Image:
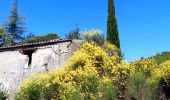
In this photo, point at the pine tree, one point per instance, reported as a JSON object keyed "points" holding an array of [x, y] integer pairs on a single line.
{"points": [[5, 39], [14, 26], [112, 27]]}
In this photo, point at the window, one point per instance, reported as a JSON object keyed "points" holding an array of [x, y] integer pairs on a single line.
{"points": [[29, 53]]}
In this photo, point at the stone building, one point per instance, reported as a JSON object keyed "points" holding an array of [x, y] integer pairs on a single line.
{"points": [[19, 61]]}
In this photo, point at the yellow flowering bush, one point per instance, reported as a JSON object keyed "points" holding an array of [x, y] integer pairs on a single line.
{"points": [[98, 73], [91, 56], [143, 83], [79, 59], [83, 77], [110, 49], [165, 79], [107, 91], [95, 56], [161, 76], [113, 52], [160, 72], [165, 71], [120, 77], [144, 66], [46, 86]]}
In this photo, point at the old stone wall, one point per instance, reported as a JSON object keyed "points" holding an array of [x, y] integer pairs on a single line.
{"points": [[14, 66]]}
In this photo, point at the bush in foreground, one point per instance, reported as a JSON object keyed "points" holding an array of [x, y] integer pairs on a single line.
{"points": [[97, 73], [87, 75]]}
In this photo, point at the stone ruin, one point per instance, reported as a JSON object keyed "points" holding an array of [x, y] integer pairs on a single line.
{"points": [[20, 61]]}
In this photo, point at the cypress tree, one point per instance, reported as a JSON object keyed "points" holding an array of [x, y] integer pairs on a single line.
{"points": [[112, 27], [14, 26]]}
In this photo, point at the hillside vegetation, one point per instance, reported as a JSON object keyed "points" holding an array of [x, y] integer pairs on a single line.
{"points": [[161, 57], [98, 73]]}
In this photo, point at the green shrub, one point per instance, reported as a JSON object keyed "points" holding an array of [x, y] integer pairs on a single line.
{"points": [[161, 57], [74, 34], [137, 85], [143, 81], [3, 95], [94, 36], [109, 92]]}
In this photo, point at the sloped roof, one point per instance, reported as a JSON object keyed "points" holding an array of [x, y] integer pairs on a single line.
{"points": [[32, 45]]}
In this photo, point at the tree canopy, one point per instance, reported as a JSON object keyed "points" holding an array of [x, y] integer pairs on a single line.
{"points": [[47, 37], [161, 57], [14, 26], [74, 34]]}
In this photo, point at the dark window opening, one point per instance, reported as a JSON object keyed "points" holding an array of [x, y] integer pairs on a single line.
{"points": [[29, 54]]}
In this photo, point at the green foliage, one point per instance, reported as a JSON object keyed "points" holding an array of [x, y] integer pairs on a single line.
{"points": [[144, 80], [109, 92], [5, 39], [33, 39], [137, 83], [14, 26], [74, 34], [112, 27], [48, 37], [95, 36], [30, 35], [9, 42], [3, 95], [2, 35], [161, 57]]}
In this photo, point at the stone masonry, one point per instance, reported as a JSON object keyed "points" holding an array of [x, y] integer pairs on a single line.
{"points": [[18, 62]]}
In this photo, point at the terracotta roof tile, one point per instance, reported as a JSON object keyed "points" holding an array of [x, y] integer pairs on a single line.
{"points": [[32, 45]]}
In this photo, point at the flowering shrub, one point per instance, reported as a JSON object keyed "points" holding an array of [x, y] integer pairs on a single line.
{"points": [[106, 90], [46, 86], [95, 72], [165, 68], [110, 49], [144, 66], [87, 75], [121, 74], [164, 75], [145, 79], [94, 36]]}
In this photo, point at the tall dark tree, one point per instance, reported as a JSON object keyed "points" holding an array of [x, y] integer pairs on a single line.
{"points": [[15, 24], [112, 27]]}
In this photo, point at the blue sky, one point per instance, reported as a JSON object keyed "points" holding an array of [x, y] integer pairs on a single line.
{"points": [[144, 25]]}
